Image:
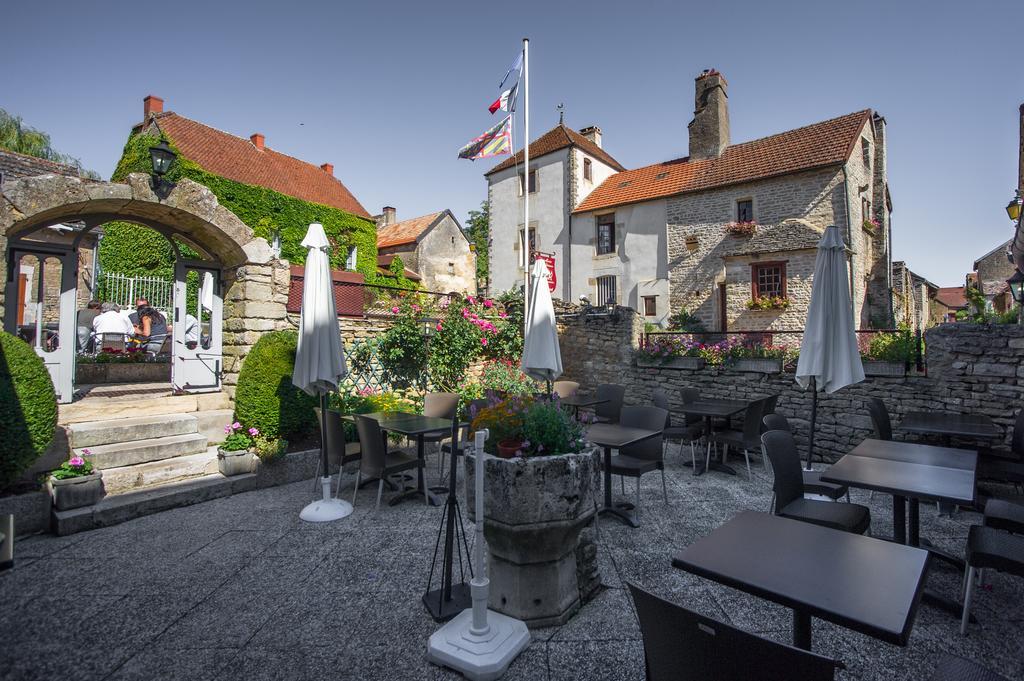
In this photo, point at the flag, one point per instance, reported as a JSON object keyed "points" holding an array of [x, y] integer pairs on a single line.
{"points": [[494, 142], [517, 64], [505, 102]]}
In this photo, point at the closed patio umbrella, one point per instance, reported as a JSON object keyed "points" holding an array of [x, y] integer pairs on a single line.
{"points": [[542, 358], [829, 357], [319, 362]]}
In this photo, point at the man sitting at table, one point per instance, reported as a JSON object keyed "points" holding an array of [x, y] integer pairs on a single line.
{"points": [[109, 320]]}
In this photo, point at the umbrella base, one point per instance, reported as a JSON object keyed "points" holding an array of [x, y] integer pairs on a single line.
{"points": [[480, 657], [326, 509]]}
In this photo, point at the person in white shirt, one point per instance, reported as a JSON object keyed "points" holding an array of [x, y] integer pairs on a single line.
{"points": [[191, 329], [110, 320]]}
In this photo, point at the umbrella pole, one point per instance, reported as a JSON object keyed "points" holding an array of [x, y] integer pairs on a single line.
{"points": [[814, 419], [323, 440], [325, 509]]}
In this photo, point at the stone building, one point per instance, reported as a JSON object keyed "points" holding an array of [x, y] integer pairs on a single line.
{"points": [[736, 224], [946, 302], [565, 166], [433, 248], [912, 297], [989, 276]]}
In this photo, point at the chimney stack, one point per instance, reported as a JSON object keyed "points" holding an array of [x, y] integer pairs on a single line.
{"points": [[327, 168], [257, 140], [151, 104], [388, 217], [709, 129], [592, 133]]}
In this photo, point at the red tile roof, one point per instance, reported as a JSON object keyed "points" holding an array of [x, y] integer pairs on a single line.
{"points": [[814, 146], [237, 159], [952, 296], [558, 137], [406, 231]]}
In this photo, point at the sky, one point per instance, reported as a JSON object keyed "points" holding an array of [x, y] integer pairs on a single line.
{"points": [[388, 92]]}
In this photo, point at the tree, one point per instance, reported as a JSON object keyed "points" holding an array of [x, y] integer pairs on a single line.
{"points": [[478, 231], [18, 137]]}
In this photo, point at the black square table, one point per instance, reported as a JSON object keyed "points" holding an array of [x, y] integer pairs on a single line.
{"points": [[613, 436], [868, 585], [579, 401], [412, 425], [947, 425], [711, 409]]}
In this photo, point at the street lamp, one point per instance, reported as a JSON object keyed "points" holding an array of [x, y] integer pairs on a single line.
{"points": [[1013, 207], [162, 158]]}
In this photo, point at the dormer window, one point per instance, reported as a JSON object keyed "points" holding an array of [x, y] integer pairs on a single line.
{"points": [[588, 171]]}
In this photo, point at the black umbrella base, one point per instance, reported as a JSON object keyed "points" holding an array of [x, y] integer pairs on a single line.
{"points": [[442, 610]]}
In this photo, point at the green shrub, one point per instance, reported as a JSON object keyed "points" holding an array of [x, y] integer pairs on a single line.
{"points": [[265, 397], [28, 407], [685, 320]]}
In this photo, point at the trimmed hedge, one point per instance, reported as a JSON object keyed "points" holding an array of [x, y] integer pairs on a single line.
{"points": [[28, 407], [265, 397]]}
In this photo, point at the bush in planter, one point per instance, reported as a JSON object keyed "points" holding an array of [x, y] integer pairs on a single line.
{"points": [[265, 397], [899, 347], [548, 428], [28, 407]]}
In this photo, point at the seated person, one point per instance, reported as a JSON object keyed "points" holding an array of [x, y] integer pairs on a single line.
{"points": [[152, 329], [109, 320], [191, 331], [85, 319]]}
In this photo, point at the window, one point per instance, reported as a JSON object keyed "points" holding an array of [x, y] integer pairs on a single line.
{"points": [[865, 151], [745, 210], [588, 172], [606, 292], [350, 261], [526, 258], [533, 182], [606, 234], [451, 268], [768, 280], [865, 210], [650, 306]]}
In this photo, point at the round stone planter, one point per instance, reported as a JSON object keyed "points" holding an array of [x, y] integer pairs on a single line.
{"points": [[534, 509], [763, 366], [877, 368], [673, 363], [234, 463], [85, 490]]}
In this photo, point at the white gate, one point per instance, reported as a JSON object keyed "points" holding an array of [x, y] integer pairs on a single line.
{"points": [[196, 355]]}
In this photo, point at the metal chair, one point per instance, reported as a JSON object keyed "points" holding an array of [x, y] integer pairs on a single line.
{"points": [[377, 462], [111, 341], [690, 432], [337, 448], [645, 456], [608, 412], [681, 645], [997, 544], [788, 485], [565, 388], [812, 479], [1007, 469], [880, 418], [440, 406], [472, 409], [745, 439], [691, 395]]}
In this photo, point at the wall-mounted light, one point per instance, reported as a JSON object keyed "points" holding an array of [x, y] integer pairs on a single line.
{"points": [[162, 158]]}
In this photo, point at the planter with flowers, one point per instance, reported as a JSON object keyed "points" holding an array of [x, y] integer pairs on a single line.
{"points": [[758, 357], [76, 483], [537, 502], [744, 228], [235, 454], [670, 352], [768, 303]]}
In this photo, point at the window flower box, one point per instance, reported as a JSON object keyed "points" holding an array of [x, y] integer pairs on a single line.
{"points": [[742, 229], [873, 367], [763, 365], [768, 303]]}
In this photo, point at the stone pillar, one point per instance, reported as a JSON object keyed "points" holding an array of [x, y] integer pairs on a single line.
{"points": [[255, 297]]}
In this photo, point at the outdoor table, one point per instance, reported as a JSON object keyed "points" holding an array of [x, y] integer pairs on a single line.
{"points": [[949, 425], [711, 409], [578, 401], [411, 425], [613, 436], [912, 472], [816, 571]]}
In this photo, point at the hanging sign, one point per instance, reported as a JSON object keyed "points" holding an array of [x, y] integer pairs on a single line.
{"points": [[549, 260]]}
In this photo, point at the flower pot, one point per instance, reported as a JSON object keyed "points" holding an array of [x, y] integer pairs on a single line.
{"points": [[534, 510], [85, 490], [508, 448], [884, 368], [234, 463], [761, 365]]}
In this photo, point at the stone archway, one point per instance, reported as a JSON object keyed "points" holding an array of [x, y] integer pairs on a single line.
{"points": [[255, 284]]}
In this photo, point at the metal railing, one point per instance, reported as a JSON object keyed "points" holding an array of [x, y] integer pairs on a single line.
{"points": [[124, 290]]}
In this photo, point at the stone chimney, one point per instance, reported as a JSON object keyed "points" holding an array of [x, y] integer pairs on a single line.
{"points": [[257, 140], [327, 168], [387, 217], [592, 133], [709, 129], [151, 104]]}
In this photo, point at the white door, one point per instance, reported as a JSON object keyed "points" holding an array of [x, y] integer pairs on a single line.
{"points": [[40, 307], [196, 356]]}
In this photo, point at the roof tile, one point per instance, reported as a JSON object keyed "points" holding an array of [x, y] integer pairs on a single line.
{"points": [[952, 296], [558, 137], [406, 231]]}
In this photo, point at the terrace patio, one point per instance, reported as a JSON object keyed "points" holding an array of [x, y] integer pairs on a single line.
{"points": [[240, 588]]}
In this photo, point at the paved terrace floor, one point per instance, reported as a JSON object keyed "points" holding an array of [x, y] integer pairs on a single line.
{"points": [[240, 588]]}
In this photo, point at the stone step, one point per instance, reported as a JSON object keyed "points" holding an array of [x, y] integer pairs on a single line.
{"points": [[131, 478], [95, 433], [106, 409], [142, 451], [121, 507], [212, 422]]}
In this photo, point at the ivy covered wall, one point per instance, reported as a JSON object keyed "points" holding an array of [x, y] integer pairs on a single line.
{"points": [[133, 249]]}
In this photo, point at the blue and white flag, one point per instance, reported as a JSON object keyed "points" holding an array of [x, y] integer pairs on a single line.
{"points": [[517, 66]]}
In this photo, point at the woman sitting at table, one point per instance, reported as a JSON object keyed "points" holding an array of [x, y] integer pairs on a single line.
{"points": [[151, 330]]}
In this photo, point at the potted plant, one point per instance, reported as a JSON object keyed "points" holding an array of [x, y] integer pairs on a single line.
{"points": [[888, 354], [757, 357], [767, 303], [234, 455], [670, 352], [743, 228], [76, 483], [536, 505]]}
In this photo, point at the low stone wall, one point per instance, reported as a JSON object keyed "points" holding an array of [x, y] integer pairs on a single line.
{"points": [[122, 372], [971, 369]]}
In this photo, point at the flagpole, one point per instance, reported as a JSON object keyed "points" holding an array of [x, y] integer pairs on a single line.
{"points": [[526, 181]]}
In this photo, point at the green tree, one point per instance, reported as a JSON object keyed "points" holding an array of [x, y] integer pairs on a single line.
{"points": [[18, 137], [478, 231]]}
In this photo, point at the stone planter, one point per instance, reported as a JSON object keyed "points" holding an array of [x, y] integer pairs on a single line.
{"points": [[534, 510], [234, 463], [761, 365], [122, 372], [878, 368], [85, 490], [673, 363]]}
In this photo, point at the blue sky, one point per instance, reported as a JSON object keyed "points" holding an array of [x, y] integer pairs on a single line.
{"points": [[388, 92]]}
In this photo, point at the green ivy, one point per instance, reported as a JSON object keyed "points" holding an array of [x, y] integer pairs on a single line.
{"points": [[478, 230]]}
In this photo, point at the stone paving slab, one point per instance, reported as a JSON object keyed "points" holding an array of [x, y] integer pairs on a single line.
{"points": [[240, 588]]}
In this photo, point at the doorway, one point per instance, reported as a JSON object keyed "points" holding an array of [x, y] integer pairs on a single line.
{"points": [[196, 331]]}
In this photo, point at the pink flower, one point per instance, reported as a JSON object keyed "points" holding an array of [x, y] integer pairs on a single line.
{"points": [[439, 326], [86, 452], [254, 432], [488, 303], [503, 315], [416, 308], [236, 426], [471, 300], [483, 341], [76, 461], [394, 310]]}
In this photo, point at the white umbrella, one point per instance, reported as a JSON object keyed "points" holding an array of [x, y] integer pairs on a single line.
{"points": [[319, 363], [829, 357], [542, 358]]}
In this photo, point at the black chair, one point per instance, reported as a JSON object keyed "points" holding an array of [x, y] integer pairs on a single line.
{"points": [[339, 451], [608, 412], [645, 456], [440, 406], [691, 432], [880, 418], [746, 439], [812, 479], [997, 544], [1007, 469], [472, 409], [681, 645], [954, 668], [377, 462], [780, 447]]}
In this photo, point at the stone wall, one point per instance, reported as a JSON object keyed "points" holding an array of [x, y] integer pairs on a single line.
{"points": [[255, 297], [799, 275], [971, 368]]}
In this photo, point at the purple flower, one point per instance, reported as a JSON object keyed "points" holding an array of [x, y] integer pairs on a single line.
{"points": [[254, 432], [76, 461], [236, 426], [86, 452]]}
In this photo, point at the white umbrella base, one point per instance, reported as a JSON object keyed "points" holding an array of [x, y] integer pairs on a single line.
{"points": [[326, 509], [480, 657]]}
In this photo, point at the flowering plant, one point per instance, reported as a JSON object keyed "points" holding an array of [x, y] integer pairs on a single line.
{"points": [[664, 348], [743, 228], [238, 437], [768, 303], [75, 467], [542, 426], [872, 224]]}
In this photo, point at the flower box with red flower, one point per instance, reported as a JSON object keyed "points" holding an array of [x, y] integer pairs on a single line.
{"points": [[744, 229], [76, 483]]}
